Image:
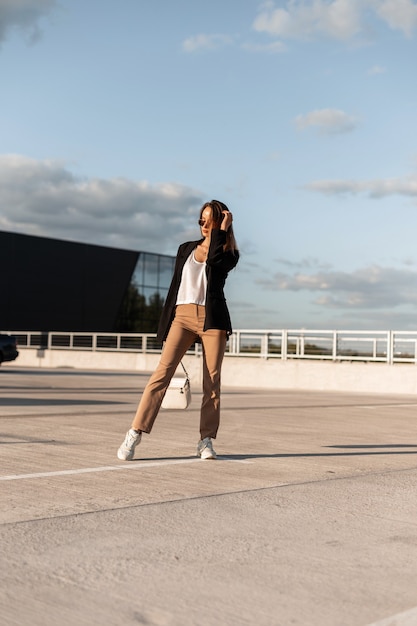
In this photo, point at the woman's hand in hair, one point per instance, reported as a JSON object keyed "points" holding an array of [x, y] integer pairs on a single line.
{"points": [[227, 220]]}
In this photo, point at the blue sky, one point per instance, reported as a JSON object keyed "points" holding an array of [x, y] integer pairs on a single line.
{"points": [[119, 119]]}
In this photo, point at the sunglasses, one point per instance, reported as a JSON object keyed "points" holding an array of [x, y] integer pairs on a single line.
{"points": [[203, 222]]}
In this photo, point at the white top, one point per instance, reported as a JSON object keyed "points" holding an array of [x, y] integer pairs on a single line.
{"points": [[193, 284]]}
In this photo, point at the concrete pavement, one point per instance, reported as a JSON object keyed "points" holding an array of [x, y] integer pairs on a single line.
{"points": [[309, 517]]}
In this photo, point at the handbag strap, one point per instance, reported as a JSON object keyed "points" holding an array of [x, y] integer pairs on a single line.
{"points": [[185, 371]]}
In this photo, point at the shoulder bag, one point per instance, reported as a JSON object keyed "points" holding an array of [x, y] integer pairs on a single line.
{"points": [[178, 394]]}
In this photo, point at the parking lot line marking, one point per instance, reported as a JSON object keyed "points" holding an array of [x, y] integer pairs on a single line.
{"points": [[110, 468], [385, 406], [407, 618]]}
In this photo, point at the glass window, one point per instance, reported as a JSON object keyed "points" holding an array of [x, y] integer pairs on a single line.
{"points": [[166, 270], [145, 296]]}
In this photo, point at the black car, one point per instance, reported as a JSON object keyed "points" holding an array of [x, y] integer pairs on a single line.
{"points": [[8, 348]]}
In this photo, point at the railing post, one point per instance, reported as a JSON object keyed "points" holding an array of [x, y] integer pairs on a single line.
{"points": [[264, 345], [237, 344], [232, 343], [284, 344], [390, 347]]}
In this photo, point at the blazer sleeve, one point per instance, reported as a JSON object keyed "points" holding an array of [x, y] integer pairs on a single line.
{"points": [[219, 258]]}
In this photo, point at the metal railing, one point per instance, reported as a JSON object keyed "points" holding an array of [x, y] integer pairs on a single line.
{"points": [[334, 345]]}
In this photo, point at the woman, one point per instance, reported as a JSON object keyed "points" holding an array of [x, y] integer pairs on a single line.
{"points": [[195, 310]]}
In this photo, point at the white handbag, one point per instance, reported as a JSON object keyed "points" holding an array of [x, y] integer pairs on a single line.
{"points": [[178, 394]]}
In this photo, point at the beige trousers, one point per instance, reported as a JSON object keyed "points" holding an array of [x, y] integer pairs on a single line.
{"points": [[186, 327]]}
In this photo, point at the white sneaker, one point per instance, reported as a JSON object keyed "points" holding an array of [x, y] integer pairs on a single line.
{"points": [[126, 452], [205, 449]]}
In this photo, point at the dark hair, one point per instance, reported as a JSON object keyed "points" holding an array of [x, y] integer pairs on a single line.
{"points": [[217, 209]]}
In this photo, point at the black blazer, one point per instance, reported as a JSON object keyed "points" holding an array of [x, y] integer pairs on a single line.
{"points": [[218, 265]]}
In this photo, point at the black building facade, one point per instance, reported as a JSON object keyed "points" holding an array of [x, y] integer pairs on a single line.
{"points": [[54, 285]]}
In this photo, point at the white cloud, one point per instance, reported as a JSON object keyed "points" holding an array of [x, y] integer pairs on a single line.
{"points": [[24, 15], [337, 19], [306, 263], [374, 188], [308, 20], [398, 14], [206, 42], [45, 198], [376, 69], [275, 46], [329, 121], [366, 288]]}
